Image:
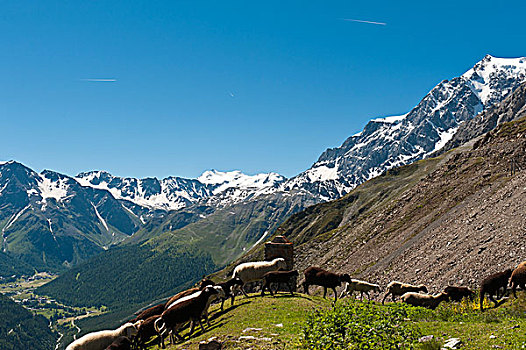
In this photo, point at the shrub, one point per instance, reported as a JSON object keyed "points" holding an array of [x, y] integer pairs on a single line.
{"points": [[356, 325]]}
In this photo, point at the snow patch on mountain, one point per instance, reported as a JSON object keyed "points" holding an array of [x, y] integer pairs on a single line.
{"points": [[52, 189], [100, 217], [390, 119]]}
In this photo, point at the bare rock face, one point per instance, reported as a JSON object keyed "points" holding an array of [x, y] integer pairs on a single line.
{"points": [[512, 108]]}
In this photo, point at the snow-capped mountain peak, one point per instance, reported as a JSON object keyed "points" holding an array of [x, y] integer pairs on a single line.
{"points": [[392, 141], [236, 179], [488, 78], [174, 193]]}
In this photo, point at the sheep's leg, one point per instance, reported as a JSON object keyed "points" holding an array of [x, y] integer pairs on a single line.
{"points": [[201, 324], [368, 296], [306, 288], [206, 318], [275, 291], [265, 286], [243, 291], [290, 288], [385, 296], [324, 292], [343, 293], [161, 342], [335, 294], [493, 300], [513, 287], [222, 302]]}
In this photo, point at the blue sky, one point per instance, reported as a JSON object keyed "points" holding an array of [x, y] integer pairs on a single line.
{"points": [[255, 86]]}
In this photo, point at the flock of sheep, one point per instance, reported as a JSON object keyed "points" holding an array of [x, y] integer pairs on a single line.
{"points": [[191, 306]]}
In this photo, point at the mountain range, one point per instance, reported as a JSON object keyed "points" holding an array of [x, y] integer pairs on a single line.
{"points": [[52, 221]]}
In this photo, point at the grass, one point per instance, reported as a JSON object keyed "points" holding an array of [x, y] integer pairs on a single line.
{"points": [[273, 322], [495, 328], [286, 322]]}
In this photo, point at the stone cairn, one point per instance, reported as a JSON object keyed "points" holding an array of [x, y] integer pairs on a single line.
{"points": [[281, 247]]}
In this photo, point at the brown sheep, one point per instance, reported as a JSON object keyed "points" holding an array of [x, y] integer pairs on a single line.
{"points": [[492, 285], [518, 278], [152, 311], [457, 293], [202, 285], [315, 276], [179, 314], [279, 277], [145, 332]]}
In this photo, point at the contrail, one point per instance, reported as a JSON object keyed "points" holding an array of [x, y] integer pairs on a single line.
{"points": [[104, 80], [362, 21]]}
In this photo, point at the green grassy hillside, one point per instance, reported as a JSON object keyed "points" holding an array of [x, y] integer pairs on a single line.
{"points": [[310, 322]]}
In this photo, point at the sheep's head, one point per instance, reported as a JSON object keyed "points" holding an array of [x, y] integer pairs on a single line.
{"points": [[422, 288], [280, 263], [508, 273], [295, 273], [377, 289], [442, 296], [210, 290], [131, 329], [205, 282], [345, 278], [220, 291]]}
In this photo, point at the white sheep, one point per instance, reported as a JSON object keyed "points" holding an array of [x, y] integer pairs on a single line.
{"points": [[255, 270], [396, 288], [359, 286], [424, 300], [102, 339]]}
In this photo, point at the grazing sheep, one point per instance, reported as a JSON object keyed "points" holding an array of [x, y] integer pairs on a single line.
{"points": [[492, 285], [154, 310], [279, 277], [359, 286], [254, 271], [121, 343], [227, 288], [102, 339], [204, 283], [187, 310], [145, 332], [396, 288], [424, 300], [319, 277], [457, 293], [518, 278]]}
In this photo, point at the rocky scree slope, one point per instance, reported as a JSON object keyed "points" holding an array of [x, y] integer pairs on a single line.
{"points": [[454, 223]]}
